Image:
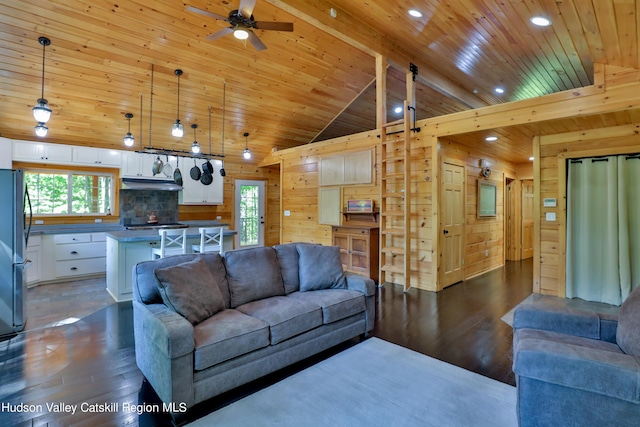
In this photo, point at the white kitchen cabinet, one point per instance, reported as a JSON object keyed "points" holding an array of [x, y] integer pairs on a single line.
{"points": [[79, 254], [121, 258], [31, 151], [97, 157], [196, 193], [140, 165], [6, 147], [33, 254]]}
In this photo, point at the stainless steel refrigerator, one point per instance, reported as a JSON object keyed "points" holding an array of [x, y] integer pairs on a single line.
{"points": [[15, 224]]}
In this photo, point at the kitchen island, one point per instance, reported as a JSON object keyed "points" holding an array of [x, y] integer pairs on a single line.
{"points": [[126, 248]]}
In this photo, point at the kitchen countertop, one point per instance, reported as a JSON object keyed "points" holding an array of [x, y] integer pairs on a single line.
{"points": [[109, 227], [152, 235]]}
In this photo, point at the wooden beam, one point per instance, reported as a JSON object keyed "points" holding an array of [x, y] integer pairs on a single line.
{"points": [[381, 91], [360, 35]]}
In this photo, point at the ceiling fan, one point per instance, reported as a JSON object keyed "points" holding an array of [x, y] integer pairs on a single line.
{"points": [[242, 22]]}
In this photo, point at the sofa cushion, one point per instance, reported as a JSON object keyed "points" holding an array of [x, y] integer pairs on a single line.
{"points": [[219, 273], [336, 304], [226, 335], [628, 333], [253, 274], [190, 290], [288, 259], [286, 317], [320, 267]]}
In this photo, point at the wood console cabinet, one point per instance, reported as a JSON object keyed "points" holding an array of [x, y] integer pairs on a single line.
{"points": [[358, 248]]}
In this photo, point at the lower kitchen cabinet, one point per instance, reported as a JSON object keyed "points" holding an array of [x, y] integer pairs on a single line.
{"points": [[121, 258], [358, 249], [33, 254], [67, 256]]}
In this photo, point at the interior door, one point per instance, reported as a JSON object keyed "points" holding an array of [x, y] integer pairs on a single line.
{"points": [[527, 218], [451, 224], [249, 213]]}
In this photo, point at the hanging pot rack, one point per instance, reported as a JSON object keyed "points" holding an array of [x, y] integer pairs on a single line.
{"points": [[171, 152]]}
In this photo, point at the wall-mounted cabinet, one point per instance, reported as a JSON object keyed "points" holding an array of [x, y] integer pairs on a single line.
{"points": [[42, 152], [140, 165], [347, 169], [97, 157], [6, 147], [196, 193]]}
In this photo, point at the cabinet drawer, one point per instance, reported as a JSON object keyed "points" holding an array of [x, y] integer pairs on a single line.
{"points": [[80, 251], [61, 239], [81, 266], [34, 240], [99, 237]]}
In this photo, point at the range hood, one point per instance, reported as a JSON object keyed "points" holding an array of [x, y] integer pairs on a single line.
{"points": [[149, 184]]}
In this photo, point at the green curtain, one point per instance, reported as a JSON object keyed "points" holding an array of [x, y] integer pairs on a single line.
{"points": [[603, 228]]}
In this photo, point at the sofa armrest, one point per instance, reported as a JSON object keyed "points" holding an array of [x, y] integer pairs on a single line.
{"points": [[565, 320], [169, 332], [356, 282], [588, 369]]}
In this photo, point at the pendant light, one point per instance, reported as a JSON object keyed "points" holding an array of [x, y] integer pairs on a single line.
{"points": [[128, 139], [246, 153], [177, 129], [42, 112], [195, 147]]}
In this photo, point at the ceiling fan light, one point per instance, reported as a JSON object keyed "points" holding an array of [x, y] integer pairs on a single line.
{"points": [[241, 34], [195, 147], [41, 129], [42, 112], [177, 129]]}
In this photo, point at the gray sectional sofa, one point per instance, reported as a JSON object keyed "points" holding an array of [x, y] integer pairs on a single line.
{"points": [[205, 324], [577, 368]]}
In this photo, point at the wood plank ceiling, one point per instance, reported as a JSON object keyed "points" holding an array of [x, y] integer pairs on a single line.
{"points": [[311, 84]]}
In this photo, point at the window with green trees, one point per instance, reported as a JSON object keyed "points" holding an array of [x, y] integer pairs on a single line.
{"points": [[69, 193]]}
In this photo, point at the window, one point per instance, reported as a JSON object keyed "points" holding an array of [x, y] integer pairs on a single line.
{"points": [[69, 193]]}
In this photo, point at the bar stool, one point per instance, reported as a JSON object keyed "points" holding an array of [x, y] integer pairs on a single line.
{"points": [[210, 240], [172, 242]]}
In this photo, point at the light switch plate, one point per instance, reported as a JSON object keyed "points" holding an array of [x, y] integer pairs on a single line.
{"points": [[550, 216], [287, 213]]}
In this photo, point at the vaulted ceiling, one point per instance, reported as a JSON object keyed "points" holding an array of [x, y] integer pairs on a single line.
{"points": [[314, 83]]}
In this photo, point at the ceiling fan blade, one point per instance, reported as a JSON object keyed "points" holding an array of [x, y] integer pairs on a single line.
{"points": [[246, 8], [276, 26], [221, 33], [206, 13], [255, 41]]}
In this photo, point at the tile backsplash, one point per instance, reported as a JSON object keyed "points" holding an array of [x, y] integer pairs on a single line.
{"points": [[137, 205]]}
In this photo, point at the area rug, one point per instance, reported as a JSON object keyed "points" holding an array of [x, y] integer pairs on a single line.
{"points": [[375, 383]]}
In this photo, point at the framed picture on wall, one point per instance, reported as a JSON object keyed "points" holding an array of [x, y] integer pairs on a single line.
{"points": [[486, 199]]}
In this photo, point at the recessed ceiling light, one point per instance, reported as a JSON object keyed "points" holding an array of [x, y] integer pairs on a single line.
{"points": [[397, 110], [491, 138], [415, 13], [499, 90], [540, 21], [531, 158]]}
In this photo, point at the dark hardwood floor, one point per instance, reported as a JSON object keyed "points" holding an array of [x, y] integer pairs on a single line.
{"points": [[91, 361]]}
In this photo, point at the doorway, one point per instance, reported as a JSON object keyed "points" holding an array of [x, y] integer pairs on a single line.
{"points": [[249, 213], [452, 213]]}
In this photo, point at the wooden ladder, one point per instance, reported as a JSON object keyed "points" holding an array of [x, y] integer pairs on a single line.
{"points": [[395, 204]]}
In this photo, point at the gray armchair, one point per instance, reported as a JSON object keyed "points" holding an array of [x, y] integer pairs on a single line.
{"points": [[576, 368]]}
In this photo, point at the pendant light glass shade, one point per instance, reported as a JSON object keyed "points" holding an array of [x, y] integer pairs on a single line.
{"points": [[128, 139], [41, 129], [195, 147], [42, 112], [246, 153], [177, 129]]}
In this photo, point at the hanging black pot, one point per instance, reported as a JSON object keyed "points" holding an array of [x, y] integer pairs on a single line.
{"points": [[177, 175], [195, 171], [206, 178], [222, 171], [207, 167]]}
